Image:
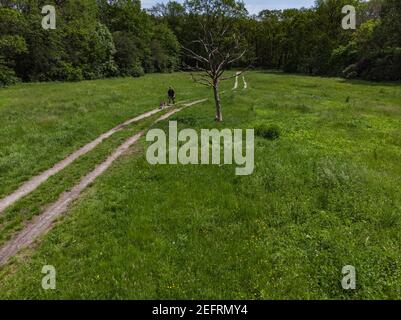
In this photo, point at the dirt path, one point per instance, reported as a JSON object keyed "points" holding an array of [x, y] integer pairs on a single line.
{"points": [[36, 181], [42, 223], [245, 84], [236, 80]]}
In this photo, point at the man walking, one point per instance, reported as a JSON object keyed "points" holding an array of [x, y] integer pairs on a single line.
{"points": [[171, 95]]}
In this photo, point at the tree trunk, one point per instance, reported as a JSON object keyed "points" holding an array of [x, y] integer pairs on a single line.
{"points": [[219, 115]]}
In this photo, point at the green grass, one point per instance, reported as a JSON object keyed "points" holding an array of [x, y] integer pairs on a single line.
{"points": [[15, 216], [324, 195], [42, 123]]}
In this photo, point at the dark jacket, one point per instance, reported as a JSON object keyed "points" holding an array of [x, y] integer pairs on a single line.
{"points": [[171, 93]]}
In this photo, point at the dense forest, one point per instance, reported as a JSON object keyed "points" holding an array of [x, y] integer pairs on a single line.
{"points": [[108, 38]]}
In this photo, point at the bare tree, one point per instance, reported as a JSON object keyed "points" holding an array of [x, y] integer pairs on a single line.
{"points": [[219, 46]]}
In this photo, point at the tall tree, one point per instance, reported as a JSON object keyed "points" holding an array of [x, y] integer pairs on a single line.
{"points": [[221, 44], [12, 44]]}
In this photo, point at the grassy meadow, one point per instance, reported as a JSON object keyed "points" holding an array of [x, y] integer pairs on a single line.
{"points": [[325, 194]]}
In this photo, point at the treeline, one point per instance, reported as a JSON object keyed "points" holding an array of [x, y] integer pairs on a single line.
{"points": [[107, 38], [93, 39], [311, 41]]}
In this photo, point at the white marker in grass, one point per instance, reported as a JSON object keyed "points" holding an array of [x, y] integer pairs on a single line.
{"points": [[245, 84], [236, 80]]}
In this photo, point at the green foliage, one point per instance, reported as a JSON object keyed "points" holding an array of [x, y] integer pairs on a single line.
{"points": [[65, 71], [344, 56], [312, 41], [12, 44], [165, 49], [100, 38], [127, 56], [384, 65], [92, 39], [374, 51], [100, 57], [388, 33], [11, 21], [7, 75]]}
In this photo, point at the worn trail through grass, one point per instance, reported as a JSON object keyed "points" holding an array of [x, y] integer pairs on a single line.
{"points": [[245, 83], [236, 81], [36, 181], [43, 222], [323, 195]]}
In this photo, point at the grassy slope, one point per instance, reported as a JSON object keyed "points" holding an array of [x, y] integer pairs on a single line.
{"points": [[43, 123], [326, 194], [56, 119]]}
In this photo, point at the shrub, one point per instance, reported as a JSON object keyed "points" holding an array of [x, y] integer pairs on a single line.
{"points": [[270, 132], [11, 48], [128, 54], [343, 56], [66, 72], [385, 65], [350, 72], [7, 76], [136, 69], [164, 49], [101, 55]]}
